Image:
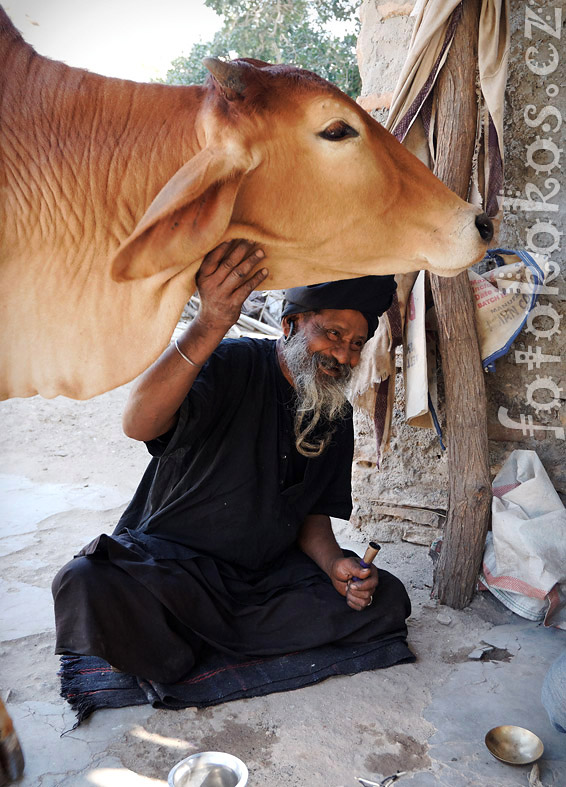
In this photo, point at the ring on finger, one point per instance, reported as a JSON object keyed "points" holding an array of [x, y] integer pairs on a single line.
{"points": [[370, 601]]}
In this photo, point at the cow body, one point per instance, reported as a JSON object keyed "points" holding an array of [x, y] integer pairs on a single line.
{"points": [[112, 192]]}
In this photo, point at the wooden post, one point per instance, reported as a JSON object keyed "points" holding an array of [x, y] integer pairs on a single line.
{"points": [[466, 412]]}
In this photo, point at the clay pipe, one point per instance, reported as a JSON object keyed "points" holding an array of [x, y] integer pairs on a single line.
{"points": [[370, 554], [368, 558]]}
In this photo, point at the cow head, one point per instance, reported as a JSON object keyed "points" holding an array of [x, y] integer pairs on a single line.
{"points": [[291, 162]]}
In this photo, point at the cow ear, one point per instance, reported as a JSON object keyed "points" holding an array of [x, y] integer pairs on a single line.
{"points": [[185, 220]]}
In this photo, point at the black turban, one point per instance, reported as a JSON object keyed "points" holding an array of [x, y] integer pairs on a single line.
{"points": [[370, 295]]}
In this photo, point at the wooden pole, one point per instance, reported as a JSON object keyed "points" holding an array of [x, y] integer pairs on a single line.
{"points": [[466, 412]]}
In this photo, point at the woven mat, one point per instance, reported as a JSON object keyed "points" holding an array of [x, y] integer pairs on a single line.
{"points": [[88, 683]]}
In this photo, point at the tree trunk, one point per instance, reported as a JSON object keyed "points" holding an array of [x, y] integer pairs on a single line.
{"points": [[466, 412]]}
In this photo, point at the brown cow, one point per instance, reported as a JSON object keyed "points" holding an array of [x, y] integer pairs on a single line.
{"points": [[112, 192]]}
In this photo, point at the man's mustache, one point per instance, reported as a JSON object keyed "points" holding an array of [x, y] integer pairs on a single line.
{"points": [[344, 370]]}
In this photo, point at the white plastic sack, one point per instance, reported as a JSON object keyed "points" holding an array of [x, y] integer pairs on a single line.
{"points": [[503, 298], [524, 562]]}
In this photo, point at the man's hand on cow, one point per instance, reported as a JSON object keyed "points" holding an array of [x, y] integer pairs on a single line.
{"points": [[227, 276], [357, 584]]}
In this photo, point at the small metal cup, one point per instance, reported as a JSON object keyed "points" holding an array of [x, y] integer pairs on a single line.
{"points": [[514, 745], [209, 769]]}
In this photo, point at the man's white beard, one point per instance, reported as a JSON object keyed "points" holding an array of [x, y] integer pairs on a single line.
{"points": [[320, 398]]}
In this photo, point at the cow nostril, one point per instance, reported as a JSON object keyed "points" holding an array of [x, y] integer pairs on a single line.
{"points": [[485, 226]]}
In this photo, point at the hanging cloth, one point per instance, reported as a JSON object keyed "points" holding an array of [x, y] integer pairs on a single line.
{"points": [[412, 117]]}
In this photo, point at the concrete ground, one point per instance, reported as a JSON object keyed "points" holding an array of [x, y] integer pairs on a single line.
{"points": [[66, 473]]}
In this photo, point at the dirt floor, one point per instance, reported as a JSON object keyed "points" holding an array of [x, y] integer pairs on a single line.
{"points": [[66, 472]]}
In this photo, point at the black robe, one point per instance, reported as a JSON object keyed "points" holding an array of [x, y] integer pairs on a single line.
{"points": [[206, 551]]}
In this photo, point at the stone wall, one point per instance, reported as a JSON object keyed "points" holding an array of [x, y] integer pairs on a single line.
{"points": [[407, 496]]}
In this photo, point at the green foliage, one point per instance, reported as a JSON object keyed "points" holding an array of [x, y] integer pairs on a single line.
{"points": [[279, 31]]}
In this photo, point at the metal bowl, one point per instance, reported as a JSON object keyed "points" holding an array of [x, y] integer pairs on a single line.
{"points": [[514, 745], [209, 769]]}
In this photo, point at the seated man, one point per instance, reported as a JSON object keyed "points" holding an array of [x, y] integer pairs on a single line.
{"points": [[227, 540]]}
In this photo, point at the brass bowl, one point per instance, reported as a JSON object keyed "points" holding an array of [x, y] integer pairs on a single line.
{"points": [[514, 745]]}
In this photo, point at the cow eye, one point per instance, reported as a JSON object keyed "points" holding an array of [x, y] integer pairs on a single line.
{"points": [[338, 130]]}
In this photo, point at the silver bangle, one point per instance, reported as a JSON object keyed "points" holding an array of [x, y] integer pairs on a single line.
{"points": [[186, 357]]}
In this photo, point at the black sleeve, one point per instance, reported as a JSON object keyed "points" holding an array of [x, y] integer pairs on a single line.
{"points": [[219, 385]]}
